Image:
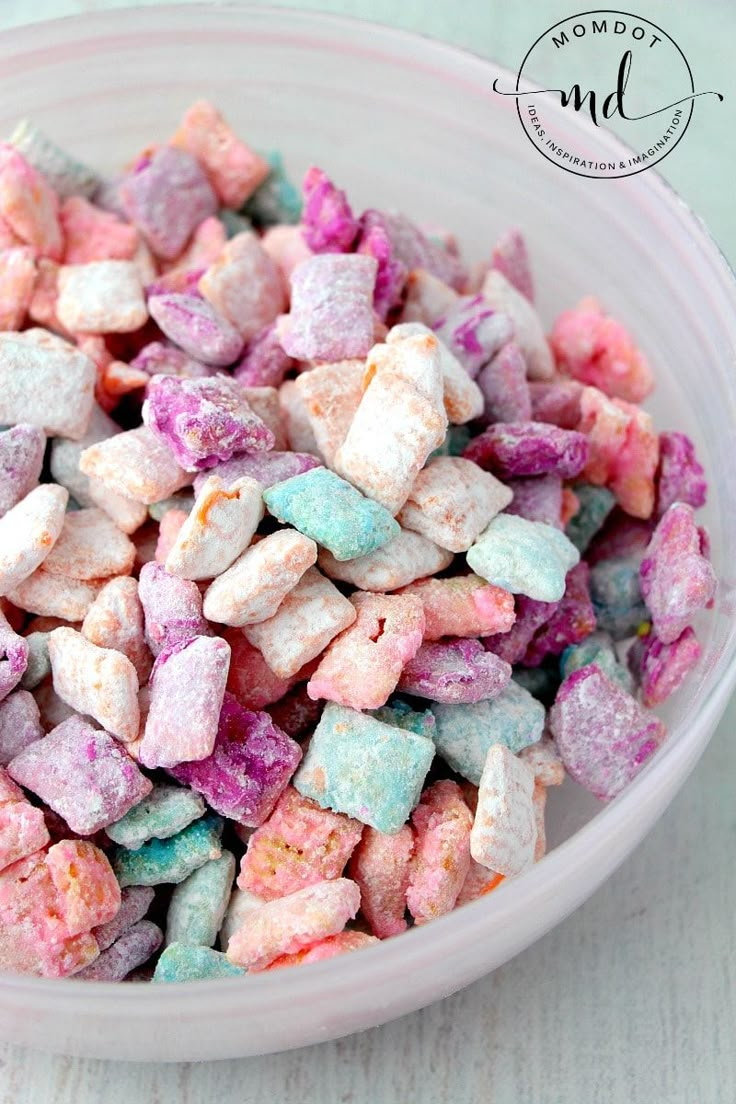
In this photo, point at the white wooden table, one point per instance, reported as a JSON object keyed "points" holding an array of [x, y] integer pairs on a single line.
{"points": [[632, 1000]]}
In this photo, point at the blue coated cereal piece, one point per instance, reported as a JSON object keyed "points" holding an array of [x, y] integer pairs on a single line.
{"points": [[401, 715], [366, 769], [614, 589], [162, 814], [596, 504], [170, 860], [524, 557], [181, 962], [597, 648], [277, 200], [199, 903], [328, 509], [465, 732]]}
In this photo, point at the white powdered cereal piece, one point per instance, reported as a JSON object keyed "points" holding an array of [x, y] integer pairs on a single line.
{"points": [[504, 832], [127, 514], [264, 402], [254, 587], [217, 530], [331, 394], [244, 285], [48, 385], [463, 397], [242, 905], [428, 299], [90, 546], [115, 620], [28, 532], [135, 464], [544, 760], [452, 501], [296, 419], [404, 559], [55, 595], [101, 297], [528, 330], [310, 616], [98, 681]]}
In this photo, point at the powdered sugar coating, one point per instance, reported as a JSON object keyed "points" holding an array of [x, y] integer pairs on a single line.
{"points": [[677, 580], [454, 671], [442, 823], [504, 833], [100, 682], [452, 502], [219, 528]]}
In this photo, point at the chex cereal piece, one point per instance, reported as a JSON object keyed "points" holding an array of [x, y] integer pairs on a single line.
{"points": [[244, 286], [66, 175], [181, 962], [14, 653], [219, 528], [28, 532], [135, 902], [462, 396], [198, 904], [479, 881], [504, 833], [362, 667], [504, 386], [392, 272], [287, 924], [17, 280], [168, 530], [195, 326], [598, 648], [163, 812], [677, 579], [441, 859], [266, 468], [530, 616], [411, 247], [454, 671], [299, 845], [22, 826], [264, 362], [524, 557], [573, 619], [596, 349], [233, 169], [380, 867], [617, 599], [529, 448], [539, 498], [253, 588], [187, 689], [91, 234], [601, 732], [172, 608], [594, 506], [334, 326], [510, 257], [464, 733], [405, 558], [295, 418], [166, 195], [28, 204], [327, 222], [100, 682], [623, 450], [331, 394], [452, 502], [101, 297], [620, 537], [528, 332], [250, 679], [63, 375], [473, 332], [242, 904], [401, 715], [463, 606], [134, 947], [364, 768], [323, 949], [287, 248], [662, 668], [161, 358], [56, 595], [20, 724], [90, 546], [266, 405], [21, 459], [427, 298], [680, 476], [84, 881], [135, 464], [160, 862], [545, 762]]}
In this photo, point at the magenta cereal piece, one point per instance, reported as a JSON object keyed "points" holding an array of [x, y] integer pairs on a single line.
{"points": [[557, 402], [531, 615], [135, 902], [410, 247], [454, 671], [161, 358], [167, 195], [505, 387], [392, 272], [203, 421], [196, 327], [331, 315], [474, 332], [676, 578], [83, 774], [264, 362], [538, 498], [662, 668], [529, 448], [13, 657], [134, 947], [172, 608], [680, 477], [267, 468], [249, 767], [328, 223], [510, 257], [602, 733], [20, 724], [21, 459], [571, 622]]}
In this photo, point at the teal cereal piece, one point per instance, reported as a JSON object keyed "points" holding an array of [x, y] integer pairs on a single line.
{"points": [[166, 811], [328, 509], [598, 648], [616, 595], [234, 222], [364, 768], [170, 860], [596, 504], [183, 502], [465, 732], [455, 443], [524, 557], [199, 903], [65, 174], [181, 962], [542, 682], [401, 715], [276, 200]]}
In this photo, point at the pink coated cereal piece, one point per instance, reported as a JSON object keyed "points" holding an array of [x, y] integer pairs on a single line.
{"points": [[87, 887], [22, 826], [20, 724], [676, 577], [28, 532], [375, 241], [572, 620], [217, 530], [531, 616], [331, 394], [528, 333], [21, 459], [455, 671], [601, 732], [98, 681], [233, 169], [254, 587], [136, 465], [380, 866], [29, 205], [83, 774], [187, 690], [404, 559], [596, 349], [264, 362], [328, 223], [299, 432], [309, 617], [205, 245], [362, 667], [244, 285], [557, 401], [680, 477], [538, 498], [90, 546], [195, 326], [504, 833], [427, 298], [504, 386], [623, 450], [101, 297], [166, 196], [529, 448], [539, 801], [334, 945], [288, 924], [63, 375], [161, 358], [8, 239], [299, 845], [134, 947], [265, 404], [56, 595], [250, 679], [287, 248], [331, 315], [442, 823], [135, 902], [463, 398], [478, 883], [473, 332], [115, 620], [511, 258], [17, 280], [91, 234], [452, 502], [172, 608], [14, 652], [463, 606], [168, 530], [662, 668], [545, 762]]}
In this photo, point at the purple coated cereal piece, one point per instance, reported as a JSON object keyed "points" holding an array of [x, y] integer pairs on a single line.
{"points": [[538, 498], [531, 615], [161, 358], [250, 765], [505, 387], [511, 258], [264, 362], [84, 774], [474, 332], [620, 537], [676, 578], [134, 947], [529, 448], [203, 421], [557, 402], [21, 459], [266, 468], [20, 724], [455, 671], [412, 248], [196, 327], [331, 315], [680, 477], [135, 902], [13, 657], [167, 195], [392, 273], [571, 622], [602, 734], [662, 668], [328, 223], [172, 608]]}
